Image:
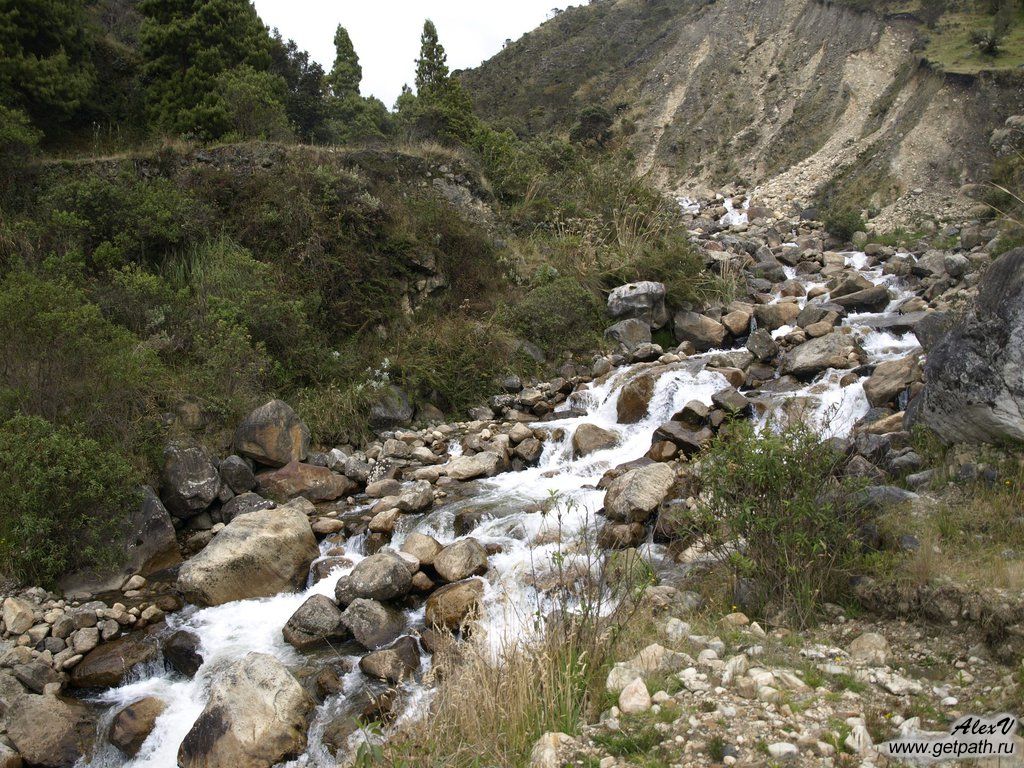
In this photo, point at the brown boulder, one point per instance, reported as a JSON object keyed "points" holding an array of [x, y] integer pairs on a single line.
{"points": [[311, 482], [453, 604], [133, 724], [273, 435]]}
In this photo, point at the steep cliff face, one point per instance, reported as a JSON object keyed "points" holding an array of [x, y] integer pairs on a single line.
{"points": [[802, 98]]}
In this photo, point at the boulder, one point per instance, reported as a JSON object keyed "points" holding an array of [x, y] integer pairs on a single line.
{"points": [[630, 334], [107, 665], [589, 438], [236, 473], [689, 441], [634, 496], [835, 350], [424, 548], [870, 648], [453, 604], [974, 389], [634, 398], [317, 621], [255, 717], [373, 624], [273, 435], [762, 346], [306, 480], [393, 664], [874, 299], [9, 758], [50, 731], [391, 410], [243, 504], [774, 316], [383, 576], [890, 378], [133, 724], [18, 615], [189, 481], [484, 464], [701, 331], [644, 300], [256, 555], [460, 560], [181, 652]]}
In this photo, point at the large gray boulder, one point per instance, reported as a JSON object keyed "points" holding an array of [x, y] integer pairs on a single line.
{"points": [[373, 624], [834, 350], [318, 620], [589, 438], [703, 332], [630, 334], [460, 560], [256, 555], [484, 464], [273, 435], [391, 410], [974, 377], [189, 481], [255, 718], [644, 300], [383, 576], [50, 731], [634, 496]]}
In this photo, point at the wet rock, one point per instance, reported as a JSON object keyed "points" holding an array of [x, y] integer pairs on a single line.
{"points": [[621, 535], [255, 717], [317, 621], [836, 350], [35, 675], [643, 300], [453, 604], [383, 576], [49, 731], [974, 390], [256, 555], [701, 331], [485, 464], [273, 435], [393, 664], [529, 450], [373, 624], [460, 560], [762, 346], [688, 441], [636, 495], [774, 316], [424, 548], [181, 652], [634, 398], [693, 415], [189, 481], [890, 378], [731, 401], [589, 438], [306, 480], [133, 724], [874, 299], [107, 665]]}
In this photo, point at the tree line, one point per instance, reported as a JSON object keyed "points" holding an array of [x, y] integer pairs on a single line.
{"points": [[73, 72]]}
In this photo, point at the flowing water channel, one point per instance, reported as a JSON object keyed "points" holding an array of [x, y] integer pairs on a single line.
{"points": [[230, 631]]}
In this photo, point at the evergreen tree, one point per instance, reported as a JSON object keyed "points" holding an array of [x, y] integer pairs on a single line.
{"points": [[45, 69], [304, 79], [432, 65], [346, 74], [187, 45]]}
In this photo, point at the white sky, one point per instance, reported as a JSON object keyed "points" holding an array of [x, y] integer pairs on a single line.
{"points": [[386, 33]]}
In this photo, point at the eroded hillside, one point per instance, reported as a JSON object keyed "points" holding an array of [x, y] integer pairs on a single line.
{"points": [[799, 97]]}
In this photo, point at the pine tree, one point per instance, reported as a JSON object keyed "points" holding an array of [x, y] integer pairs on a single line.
{"points": [[187, 45], [432, 65], [346, 74], [45, 68]]}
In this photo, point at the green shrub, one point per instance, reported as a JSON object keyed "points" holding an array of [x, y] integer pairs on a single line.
{"points": [[254, 103], [64, 361], [843, 222], [63, 499], [557, 315], [780, 497]]}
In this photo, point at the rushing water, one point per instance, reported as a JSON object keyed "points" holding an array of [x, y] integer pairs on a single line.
{"points": [[526, 537]]}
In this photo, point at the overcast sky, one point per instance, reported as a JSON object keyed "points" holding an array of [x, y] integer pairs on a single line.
{"points": [[386, 33]]}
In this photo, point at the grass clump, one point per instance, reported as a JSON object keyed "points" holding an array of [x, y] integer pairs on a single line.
{"points": [[63, 499], [843, 223], [779, 513]]}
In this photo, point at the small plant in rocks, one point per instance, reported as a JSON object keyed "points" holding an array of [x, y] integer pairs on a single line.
{"points": [[782, 517]]}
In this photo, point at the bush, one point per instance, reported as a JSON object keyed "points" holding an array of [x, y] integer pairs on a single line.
{"points": [[593, 126], [254, 103], [557, 315], [843, 222], [63, 499], [780, 498], [65, 362]]}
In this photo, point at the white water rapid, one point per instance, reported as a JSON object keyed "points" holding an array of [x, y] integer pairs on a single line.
{"points": [[229, 631]]}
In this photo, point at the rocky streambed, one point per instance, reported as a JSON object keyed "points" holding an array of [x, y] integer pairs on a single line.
{"points": [[318, 586]]}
